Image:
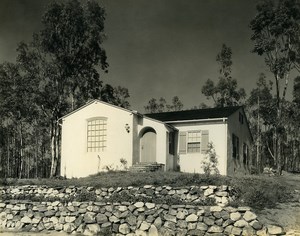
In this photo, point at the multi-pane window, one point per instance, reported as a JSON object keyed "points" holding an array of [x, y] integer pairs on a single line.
{"points": [[193, 141], [96, 134]]}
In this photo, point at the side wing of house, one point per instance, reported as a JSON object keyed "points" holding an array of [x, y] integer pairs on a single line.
{"points": [[193, 139], [94, 138], [239, 141]]}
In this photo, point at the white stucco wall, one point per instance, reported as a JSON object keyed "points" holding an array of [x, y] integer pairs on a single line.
{"points": [[161, 137], [76, 161], [191, 162]]}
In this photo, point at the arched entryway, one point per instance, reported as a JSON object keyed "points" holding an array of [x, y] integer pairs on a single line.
{"points": [[148, 145]]}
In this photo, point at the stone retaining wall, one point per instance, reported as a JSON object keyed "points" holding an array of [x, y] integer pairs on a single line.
{"points": [[128, 218], [90, 218], [193, 194]]}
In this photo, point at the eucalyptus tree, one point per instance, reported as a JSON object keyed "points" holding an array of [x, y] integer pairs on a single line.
{"points": [[226, 91], [276, 37], [176, 104], [160, 105], [261, 111], [65, 58], [17, 111]]}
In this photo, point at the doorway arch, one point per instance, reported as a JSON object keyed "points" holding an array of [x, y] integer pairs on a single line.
{"points": [[148, 145]]}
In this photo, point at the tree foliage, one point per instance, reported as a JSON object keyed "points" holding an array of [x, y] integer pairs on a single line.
{"points": [[58, 71], [161, 105], [226, 91], [210, 162]]}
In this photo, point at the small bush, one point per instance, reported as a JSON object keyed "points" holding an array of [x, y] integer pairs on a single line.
{"points": [[85, 195], [210, 162]]}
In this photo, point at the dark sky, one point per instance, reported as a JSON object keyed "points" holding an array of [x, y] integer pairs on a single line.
{"points": [[157, 48]]}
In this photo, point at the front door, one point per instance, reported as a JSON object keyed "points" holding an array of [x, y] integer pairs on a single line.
{"points": [[148, 147]]}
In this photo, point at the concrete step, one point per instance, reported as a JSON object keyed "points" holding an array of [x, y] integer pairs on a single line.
{"points": [[146, 167]]}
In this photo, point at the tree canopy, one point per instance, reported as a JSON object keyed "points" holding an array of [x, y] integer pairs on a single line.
{"points": [[276, 37], [56, 72], [226, 91]]}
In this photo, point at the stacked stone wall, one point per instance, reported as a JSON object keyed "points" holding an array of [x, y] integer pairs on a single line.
{"points": [[124, 217], [222, 195]]}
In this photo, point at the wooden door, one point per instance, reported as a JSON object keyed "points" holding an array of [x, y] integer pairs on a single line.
{"points": [[148, 147]]}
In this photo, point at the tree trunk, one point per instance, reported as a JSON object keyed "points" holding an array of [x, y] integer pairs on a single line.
{"points": [[21, 152], [258, 162], [36, 157], [8, 158], [54, 148]]}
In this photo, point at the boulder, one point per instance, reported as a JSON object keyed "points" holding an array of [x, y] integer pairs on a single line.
{"points": [[235, 216], [275, 230], [26, 220], [215, 229], [139, 204], [101, 218], [236, 231], [168, 217], [256, 225], [249, 216], [89, 217], [145, 226], [191, 218], [153, 231], [241, 223], [93, 228], [69, 227]]}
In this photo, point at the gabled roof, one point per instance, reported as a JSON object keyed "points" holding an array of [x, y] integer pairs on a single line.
{"points": [[95, 101], [199, 114]]}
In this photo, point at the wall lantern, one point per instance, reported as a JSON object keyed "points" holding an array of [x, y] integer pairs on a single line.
{"points": [[127, 127]]}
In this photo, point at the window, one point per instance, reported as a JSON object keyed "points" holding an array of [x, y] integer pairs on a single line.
{"points": [[241, 118], [235, 147], [245, 154], [96, 134], [171, 143], [193, 141]]}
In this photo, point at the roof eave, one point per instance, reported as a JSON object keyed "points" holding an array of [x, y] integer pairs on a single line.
{"points": [[198, 120]]}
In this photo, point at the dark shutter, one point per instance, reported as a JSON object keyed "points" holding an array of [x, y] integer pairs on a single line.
{"points": [[204, 141], [182, 142]]}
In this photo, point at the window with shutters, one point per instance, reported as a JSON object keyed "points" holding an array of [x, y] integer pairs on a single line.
{"points": [[193, 141], [96, 134]]}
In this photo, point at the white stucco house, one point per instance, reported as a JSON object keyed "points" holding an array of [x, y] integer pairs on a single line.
{"points": [[98, 135]]}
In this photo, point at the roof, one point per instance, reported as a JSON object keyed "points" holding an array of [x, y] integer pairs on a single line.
{"points": [[95, 101], [199, 114]]}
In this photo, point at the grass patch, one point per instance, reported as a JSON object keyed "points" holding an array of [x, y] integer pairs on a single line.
{"points": [[124, 179], [261, 192]]}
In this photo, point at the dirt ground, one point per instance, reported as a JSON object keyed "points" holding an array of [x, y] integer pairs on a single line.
{"points": [[285, 214]]}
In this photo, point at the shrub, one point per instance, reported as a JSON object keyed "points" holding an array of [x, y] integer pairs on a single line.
{"points": [[85, 195], [210, 162]]}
